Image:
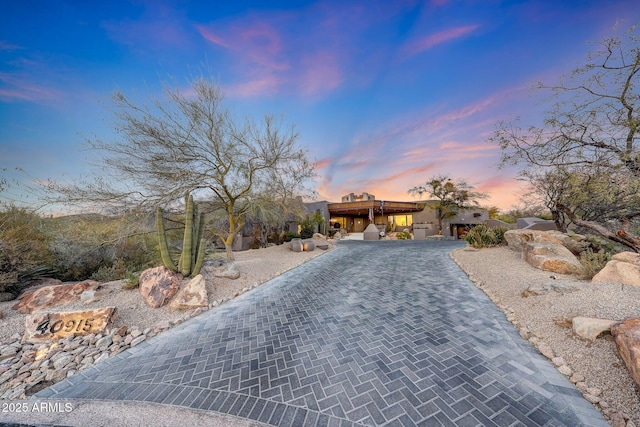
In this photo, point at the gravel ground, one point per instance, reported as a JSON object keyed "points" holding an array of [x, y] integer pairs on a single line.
{"points": [[503, 276]]}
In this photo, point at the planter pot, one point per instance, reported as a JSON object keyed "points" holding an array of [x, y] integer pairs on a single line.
{"points": [[296, 245]]}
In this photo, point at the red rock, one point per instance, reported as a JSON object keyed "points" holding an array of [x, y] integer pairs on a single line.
{"points": [[51, 296], [627, 337], [158, 285]]}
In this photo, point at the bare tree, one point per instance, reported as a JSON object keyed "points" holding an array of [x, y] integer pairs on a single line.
{"points": [[189, 141], [452, 196], [585, 158]]}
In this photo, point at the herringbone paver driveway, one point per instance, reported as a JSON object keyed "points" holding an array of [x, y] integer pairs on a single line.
{"points": [[372, 333]]}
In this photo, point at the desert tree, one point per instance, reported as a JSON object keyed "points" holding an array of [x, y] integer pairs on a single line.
{"points": [[452, 196], [584, 158], [190, 141]]}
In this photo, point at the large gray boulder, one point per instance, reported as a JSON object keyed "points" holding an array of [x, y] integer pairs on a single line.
{"points": [[221, 267], [552, 257]]}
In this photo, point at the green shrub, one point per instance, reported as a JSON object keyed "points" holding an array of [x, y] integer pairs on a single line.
{"points": [[289, 235], [499, 234], [594, 261], [306, 232], [404, 235], [482, 236], [131, 281], [275, 237]]}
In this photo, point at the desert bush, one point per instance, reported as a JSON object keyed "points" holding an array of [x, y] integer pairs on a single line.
{"points": [[289, 235], [594, 261], [275, 237], [88, 245], [482, 236], [499, 233], [24, 250], [131, 281], [306, 231], [404, 235]]}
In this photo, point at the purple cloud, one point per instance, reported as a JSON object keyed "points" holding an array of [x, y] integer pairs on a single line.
{"points": [[425, 43]]}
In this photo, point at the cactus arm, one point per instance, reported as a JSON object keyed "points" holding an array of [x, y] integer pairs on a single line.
{"points": [[202, 249], [162, 240], [195, 240], [188, 237]]}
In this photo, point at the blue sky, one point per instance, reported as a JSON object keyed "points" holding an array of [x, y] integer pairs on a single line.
{"points": [[384, 94]]}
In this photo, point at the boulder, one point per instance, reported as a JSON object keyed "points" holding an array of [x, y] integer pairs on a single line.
{"points": [[555, 286], [296, 245], [627, 337], [193, 295], [628, 257], [517, 238], [221, 267], [53, 326], [308, 245], [319, 236], [158, 285], [51, 296], [617, 271], [576, 243], [551, 257], [590, 328]]}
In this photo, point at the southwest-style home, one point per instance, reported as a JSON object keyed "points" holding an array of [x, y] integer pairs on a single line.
{"points": [[356, 212]]}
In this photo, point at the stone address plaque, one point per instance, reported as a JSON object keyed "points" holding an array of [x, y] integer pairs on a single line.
{"points": [[53, 326]]}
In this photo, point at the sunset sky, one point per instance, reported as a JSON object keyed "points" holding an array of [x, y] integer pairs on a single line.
{"points": [[385, 94]]}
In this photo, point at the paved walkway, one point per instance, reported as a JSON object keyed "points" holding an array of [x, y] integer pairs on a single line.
{"points": [[372, 333]]}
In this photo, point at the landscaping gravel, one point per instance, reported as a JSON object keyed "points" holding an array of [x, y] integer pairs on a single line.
{"points": [[595, 366]]}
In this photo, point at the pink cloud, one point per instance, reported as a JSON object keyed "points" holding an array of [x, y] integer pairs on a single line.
{"points": [[17, 88], [212, 38], [322, 72], [432, 40], [307, 52], [261, 86], [323, 163]]}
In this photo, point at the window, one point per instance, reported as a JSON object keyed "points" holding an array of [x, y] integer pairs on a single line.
{"points": [[401, 220], [342, 221]]}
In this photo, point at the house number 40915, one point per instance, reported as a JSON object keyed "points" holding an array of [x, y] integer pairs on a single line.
{"points": [[81, 325]]}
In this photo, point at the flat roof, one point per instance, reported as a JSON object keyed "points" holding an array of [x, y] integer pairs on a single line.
{"points": [[362, 207]]}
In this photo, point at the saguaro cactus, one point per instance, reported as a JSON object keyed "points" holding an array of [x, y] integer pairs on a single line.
{"points": [[193, 243], [162, 240]]}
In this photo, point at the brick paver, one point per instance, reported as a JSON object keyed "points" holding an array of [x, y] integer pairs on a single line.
{"points": [[372, 333]]}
